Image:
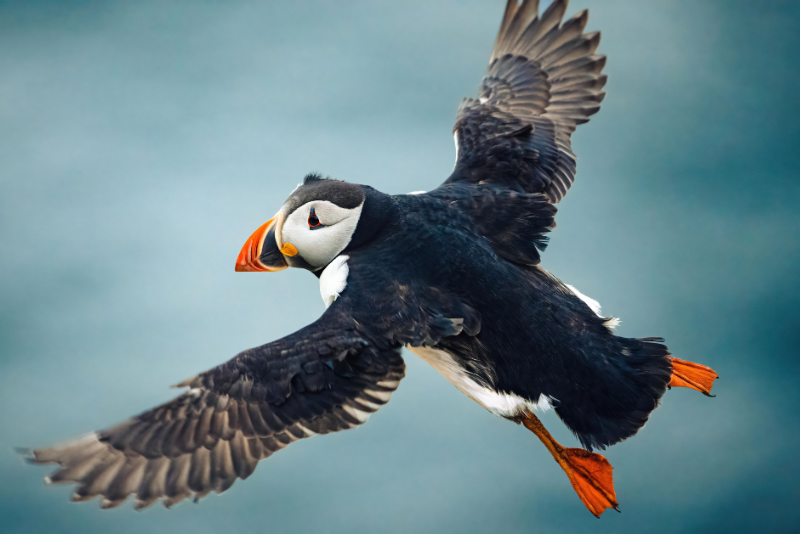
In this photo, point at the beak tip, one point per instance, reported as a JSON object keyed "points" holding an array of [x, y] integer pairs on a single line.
{"points": [[249, 260]]}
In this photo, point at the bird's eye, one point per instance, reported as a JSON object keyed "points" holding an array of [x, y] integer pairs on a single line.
{"points": [[313, 220]]}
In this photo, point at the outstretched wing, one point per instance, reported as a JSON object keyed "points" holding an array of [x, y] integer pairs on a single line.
{"points": [[324, 378], [543, 80]]}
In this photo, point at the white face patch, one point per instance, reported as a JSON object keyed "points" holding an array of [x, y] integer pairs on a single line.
{"points": [[319, 246], [499, 403], [455, 140], [333, 279]]}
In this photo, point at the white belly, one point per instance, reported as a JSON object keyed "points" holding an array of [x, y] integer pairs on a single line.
{"points": [[502, 404]]}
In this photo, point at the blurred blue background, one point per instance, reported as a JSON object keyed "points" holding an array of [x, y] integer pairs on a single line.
{"points": [[142, 143]]}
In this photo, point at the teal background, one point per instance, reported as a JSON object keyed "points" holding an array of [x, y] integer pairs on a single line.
{"points": [[142, 142]]}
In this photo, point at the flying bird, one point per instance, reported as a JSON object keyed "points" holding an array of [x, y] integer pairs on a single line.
{"points": [[452, 274]]}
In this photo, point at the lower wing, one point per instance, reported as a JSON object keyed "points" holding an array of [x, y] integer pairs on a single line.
{"points": [[324, 378]]}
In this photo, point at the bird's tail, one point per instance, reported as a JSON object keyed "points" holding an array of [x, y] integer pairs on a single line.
{"points": [[631, 376]]}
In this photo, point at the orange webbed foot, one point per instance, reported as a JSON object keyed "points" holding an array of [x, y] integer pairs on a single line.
{"points": [[588, 472], [591, 478], [692, 375]]}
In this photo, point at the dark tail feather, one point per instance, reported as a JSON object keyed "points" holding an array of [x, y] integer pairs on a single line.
{"points": [[632, 375]]}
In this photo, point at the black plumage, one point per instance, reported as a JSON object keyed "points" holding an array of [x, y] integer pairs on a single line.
{"points": [[605, 385], [454, 272]]}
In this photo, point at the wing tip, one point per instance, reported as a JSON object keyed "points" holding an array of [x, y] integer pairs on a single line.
{"points": [[27, 454]]}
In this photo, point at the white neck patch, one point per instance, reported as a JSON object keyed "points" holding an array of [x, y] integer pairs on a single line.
{"points": [[333, 279]]}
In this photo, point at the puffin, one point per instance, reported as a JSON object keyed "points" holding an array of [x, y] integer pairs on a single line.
{"points": [[452, 274]]}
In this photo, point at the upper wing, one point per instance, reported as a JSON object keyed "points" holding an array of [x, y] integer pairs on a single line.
{"points": [[543, 80], [513, 223], [324, 378]]}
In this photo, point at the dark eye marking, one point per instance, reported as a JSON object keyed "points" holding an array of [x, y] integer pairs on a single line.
{"points": [[313, 220]]}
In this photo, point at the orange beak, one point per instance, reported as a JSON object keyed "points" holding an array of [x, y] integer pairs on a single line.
{"points": [[260, 252]]}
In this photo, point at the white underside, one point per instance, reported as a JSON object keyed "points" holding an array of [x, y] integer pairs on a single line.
{"points": [[333, 279], [499, 403]]}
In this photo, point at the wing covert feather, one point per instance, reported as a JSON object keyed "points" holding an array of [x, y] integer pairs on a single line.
{"points": [[543, 80]]}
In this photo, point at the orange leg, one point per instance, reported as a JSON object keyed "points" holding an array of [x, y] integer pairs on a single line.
{"points": [[589, 473], [692, 375]]}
